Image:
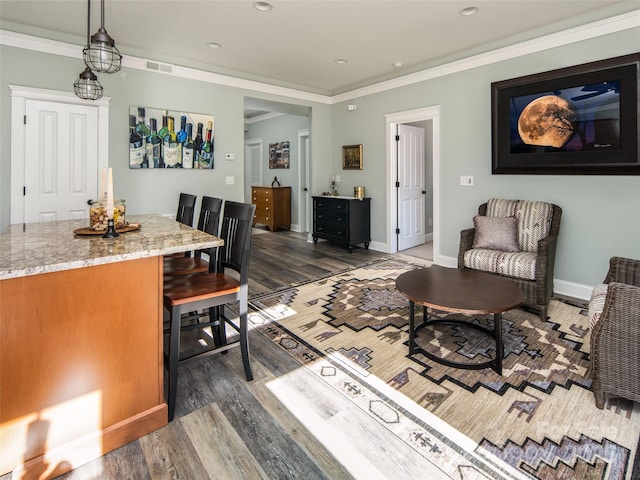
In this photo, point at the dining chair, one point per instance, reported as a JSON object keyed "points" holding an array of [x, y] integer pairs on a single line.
{"points": [[208, 221], [226, 282]]}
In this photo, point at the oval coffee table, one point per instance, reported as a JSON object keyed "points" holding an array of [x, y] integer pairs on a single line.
{"points": [[459, 291]]}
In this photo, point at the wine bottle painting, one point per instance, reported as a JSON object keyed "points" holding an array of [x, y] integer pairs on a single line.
{"points": [[170, 139]]}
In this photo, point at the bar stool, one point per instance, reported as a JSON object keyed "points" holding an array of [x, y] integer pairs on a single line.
{"points": [[186, 208], [208, 221], [212, 291]]}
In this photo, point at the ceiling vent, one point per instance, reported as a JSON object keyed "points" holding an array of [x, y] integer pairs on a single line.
{"points": [[158, 67]]}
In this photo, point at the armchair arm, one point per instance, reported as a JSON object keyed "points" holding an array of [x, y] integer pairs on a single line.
{"points": [[623, 270], [466, 242], [618, 327], [545, 262]]}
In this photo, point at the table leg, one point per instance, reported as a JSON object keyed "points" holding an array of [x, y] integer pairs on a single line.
{"points": [[412, 340], [497, 324]]}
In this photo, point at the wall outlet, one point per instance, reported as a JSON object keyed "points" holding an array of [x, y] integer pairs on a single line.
{"points": [[466, 181], [229, 180], [230, 156], [337, 178]]}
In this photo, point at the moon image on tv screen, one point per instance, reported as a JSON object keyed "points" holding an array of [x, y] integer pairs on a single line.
{"points": [[548, 121]]}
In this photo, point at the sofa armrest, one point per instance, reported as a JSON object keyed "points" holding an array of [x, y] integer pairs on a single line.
{"points": [[466, 243], [623, 270], [545, 263]]}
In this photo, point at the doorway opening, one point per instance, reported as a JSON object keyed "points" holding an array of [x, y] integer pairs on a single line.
{"points": [[268, 122], [429, 119]]}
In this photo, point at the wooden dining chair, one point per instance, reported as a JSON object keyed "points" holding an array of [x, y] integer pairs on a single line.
{"points": [[226, 282], [208, 221]]}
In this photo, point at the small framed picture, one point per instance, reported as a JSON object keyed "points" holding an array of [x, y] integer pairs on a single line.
{"points": [[352, 157]]}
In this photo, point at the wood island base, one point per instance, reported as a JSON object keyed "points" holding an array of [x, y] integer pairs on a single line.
{"points": [[81, 370]]}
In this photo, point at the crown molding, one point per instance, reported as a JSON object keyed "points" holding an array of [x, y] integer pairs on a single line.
{"points": [[584, 32], [591, 30]]}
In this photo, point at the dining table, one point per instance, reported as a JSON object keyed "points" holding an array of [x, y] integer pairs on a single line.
{"points": [[81, 338]]}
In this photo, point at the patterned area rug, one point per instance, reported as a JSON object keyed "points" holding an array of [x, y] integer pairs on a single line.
{"points": [[538, 420]]}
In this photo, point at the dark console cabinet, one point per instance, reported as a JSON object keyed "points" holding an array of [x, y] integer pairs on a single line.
{"points": [[345, 220]]}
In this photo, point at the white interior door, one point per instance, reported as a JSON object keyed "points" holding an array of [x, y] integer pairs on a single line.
{"points": [[303, 181], [61, 160], [411, 186], [253, 165]]}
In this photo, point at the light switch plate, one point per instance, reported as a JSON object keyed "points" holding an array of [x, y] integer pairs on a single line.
{"points": [[229, 180], [466, 181]]}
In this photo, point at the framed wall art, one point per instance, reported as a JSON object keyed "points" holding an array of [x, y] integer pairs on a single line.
{"points": [[170, 139], [279, 155], [577, 120], [352, 157]]}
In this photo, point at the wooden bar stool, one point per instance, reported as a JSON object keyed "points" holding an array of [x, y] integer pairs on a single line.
{"points": [[208, 221], [213, 290]]}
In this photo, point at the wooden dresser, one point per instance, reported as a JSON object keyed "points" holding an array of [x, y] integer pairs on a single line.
{"points": [[343, 220], [273, 206]]}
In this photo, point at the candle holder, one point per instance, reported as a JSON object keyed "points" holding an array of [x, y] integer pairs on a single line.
{"points": [[111, 230]]}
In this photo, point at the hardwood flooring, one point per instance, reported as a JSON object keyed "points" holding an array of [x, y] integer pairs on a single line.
{"points": [[226, 427]]}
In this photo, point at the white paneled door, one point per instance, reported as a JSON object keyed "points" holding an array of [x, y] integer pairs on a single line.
{"points": [[411, 186], [61, 160]]}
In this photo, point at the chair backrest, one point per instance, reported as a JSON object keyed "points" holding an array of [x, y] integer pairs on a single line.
{"points": [[536, 220], [186, 207], [209, 222], [236, 233]]}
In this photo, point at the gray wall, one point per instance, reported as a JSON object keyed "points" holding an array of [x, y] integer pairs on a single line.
{"points": [[600, 212], [148, 191], [600, 216], [281, 129]]}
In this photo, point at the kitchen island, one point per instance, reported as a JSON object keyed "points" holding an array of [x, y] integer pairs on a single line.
{"points": [[81, 344]]}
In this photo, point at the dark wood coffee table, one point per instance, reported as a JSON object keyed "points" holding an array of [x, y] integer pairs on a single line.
{"points": [[459, 291]]}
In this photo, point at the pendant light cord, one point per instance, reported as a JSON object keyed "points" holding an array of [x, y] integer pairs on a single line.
{"points": [[88, 21]]}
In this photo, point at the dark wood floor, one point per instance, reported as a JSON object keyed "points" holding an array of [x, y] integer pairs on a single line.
{"points": [[282, 258], [226, 427]]}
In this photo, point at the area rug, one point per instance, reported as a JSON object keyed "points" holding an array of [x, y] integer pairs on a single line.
{"points": [[538, 420]]}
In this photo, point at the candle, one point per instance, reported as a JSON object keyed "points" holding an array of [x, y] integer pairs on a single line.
{"points": [[110, 195], [103, 180]]}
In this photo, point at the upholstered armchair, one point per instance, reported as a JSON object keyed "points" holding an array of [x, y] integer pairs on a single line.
{"points": [[515, 239], [614, 320]]}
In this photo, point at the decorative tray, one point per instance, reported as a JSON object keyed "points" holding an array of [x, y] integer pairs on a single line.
{"points": [[131, 227]]}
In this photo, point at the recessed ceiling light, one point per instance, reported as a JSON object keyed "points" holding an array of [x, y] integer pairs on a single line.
{"points": [[469, 11], [397, 64], [262, 6], [341, 61], [214, 45]]}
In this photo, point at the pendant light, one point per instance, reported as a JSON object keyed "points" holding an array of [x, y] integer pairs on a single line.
{"points": [[87, 85], [101, 53]]}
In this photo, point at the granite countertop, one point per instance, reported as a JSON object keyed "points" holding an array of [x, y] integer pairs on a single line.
{"points": [[35, 248]]}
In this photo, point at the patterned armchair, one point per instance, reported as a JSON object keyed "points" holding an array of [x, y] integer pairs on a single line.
{"points": [[515, 239], [614, 320]]}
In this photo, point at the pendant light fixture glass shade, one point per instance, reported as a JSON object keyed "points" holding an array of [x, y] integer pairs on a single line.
{"points": [[101, 53], [87, 86]]}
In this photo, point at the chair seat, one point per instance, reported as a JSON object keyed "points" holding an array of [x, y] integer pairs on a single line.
{"points": [[510, 264], [184, 265], [192, 288]]}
